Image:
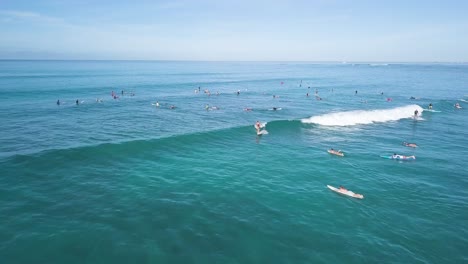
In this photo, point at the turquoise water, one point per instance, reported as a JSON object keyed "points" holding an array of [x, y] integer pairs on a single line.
{"points": [[123, 181]]}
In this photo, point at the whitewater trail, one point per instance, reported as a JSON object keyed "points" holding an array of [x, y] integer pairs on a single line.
{"points": [[362, 117]]}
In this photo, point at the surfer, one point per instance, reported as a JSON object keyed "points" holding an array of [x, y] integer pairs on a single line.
{"points": [[157, 103], [275, 108], [343, 189], [411, 145], [258, 125], [336, 152], [58, 102], [355, 92], [172, 107], [397, 156], [77, 102], [457, 105], [416, 113], [430, 106], [122, 92], [207, 107]]}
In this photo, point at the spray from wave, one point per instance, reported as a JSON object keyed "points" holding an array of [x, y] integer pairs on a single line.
{"points": [[362, 117]]}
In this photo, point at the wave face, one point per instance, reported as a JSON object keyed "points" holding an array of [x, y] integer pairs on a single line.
{"points": [[363, 117]]}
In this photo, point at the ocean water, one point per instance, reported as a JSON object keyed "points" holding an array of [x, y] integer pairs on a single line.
{"points": [[124, 181]]}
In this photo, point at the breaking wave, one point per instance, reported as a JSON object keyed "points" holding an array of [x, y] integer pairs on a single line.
{"points": [[362, 117]]}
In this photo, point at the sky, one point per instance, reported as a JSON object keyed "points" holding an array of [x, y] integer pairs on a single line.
{"points": [[242, 30]]}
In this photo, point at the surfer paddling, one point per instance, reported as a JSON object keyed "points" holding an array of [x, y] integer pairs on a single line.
{"points": [[343, 190], [336, 152], [411, 145], [402, 157]]}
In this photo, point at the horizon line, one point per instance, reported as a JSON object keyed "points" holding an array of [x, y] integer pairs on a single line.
{"points": [[264, 61]]}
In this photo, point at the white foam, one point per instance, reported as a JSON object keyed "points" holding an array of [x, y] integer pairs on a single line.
{"points": [[362, 117]]}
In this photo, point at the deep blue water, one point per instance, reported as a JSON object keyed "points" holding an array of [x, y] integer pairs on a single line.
{"points": [[124, 181]]}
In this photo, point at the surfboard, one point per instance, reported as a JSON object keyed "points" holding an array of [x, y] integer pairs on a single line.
{"points": [[262, 132], [347, 192]]}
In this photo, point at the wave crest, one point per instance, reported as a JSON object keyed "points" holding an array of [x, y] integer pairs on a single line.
{"points": [[362, 117]]}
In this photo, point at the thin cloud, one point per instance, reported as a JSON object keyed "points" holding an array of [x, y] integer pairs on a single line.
{"points": [[11, 15]]}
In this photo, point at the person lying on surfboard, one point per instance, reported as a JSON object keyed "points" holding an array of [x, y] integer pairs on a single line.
{"points": [[336, 152], [412, 145]]}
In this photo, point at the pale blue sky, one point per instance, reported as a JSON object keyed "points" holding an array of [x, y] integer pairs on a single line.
{"points": [[314, 30]]}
